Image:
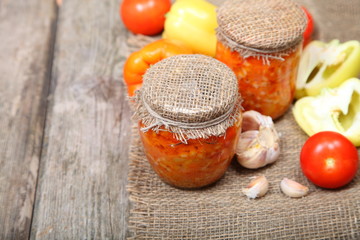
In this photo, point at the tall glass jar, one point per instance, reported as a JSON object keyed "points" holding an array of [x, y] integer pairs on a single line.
{"points": [[261, 41], [189, 116]]}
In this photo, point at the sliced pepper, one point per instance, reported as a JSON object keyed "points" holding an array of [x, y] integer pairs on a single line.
{"points": [[327, 65], [138, 62], [335, 109], [193, 22]]}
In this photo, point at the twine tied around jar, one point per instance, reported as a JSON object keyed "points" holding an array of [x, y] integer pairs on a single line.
{"points": [[267, 29], [167, 122], [193, 96]]}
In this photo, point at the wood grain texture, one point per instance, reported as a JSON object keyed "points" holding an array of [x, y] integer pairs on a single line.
{"points": [[26, 30], [81, 190]]}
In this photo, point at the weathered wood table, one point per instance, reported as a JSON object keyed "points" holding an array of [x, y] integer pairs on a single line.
{"points": [[65, 120]]}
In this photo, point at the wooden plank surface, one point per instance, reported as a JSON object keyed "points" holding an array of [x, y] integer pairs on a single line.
{"points": [[81, 190], [26, 30]]}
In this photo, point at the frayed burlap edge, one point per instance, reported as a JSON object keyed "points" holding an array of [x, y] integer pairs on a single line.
{"points": [[265, 55], [180, 131]]}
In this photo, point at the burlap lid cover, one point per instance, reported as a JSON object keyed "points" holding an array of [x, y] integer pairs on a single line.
{"points": [[193, 96], [260, 27]]}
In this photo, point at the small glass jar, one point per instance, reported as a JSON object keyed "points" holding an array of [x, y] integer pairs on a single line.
{"points": [[261, 41], [196, 163], [266, 88], [189, 116]]}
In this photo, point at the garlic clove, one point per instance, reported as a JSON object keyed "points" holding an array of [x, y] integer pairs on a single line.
{"points": [[258, 148], [246, 140], [252, 120], [272, 154], [257, 187], [269, 138], [253, 158], [292, 188]]}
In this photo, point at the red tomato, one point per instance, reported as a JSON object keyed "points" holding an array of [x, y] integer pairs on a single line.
{"points": [[329, 160], [145, 17], [309, 28]]}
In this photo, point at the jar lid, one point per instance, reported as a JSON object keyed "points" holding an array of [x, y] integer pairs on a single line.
{"points": [[265, 26], [192, 95]]}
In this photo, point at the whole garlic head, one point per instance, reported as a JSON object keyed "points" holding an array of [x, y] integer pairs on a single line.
{"points": [[257, 147]]}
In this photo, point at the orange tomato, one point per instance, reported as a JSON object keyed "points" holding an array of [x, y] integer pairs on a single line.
{"points": [[138, 62]]}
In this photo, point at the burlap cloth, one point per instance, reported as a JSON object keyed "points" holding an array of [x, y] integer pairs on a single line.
{"points": [[221, 211]]}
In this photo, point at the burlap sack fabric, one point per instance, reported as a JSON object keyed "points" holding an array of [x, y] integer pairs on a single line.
{"points": [[221, 211]]}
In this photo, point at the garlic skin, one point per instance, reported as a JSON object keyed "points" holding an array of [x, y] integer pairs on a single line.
{"points": [[249, 152], [257, 147], [252, 120], [257, 187], [293, 189]]}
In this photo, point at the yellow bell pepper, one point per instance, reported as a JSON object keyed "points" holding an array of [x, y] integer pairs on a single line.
{"points": [[193, 22], [327, 65], [335, 109]]}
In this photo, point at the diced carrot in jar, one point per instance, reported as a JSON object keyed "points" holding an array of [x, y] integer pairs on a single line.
{"points": [[197, 163], [266, 88]]}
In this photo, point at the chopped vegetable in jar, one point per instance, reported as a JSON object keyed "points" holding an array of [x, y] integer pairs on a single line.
{"points": [[266, 88], [197, 163], [261, 42]]}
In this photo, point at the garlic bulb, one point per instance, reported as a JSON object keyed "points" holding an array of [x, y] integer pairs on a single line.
{"points": [[257, 147], [292, 188], [258, 187]]}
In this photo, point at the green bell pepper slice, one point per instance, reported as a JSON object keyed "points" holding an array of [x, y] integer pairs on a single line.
{"points": [[335, 109], [326, 65]]}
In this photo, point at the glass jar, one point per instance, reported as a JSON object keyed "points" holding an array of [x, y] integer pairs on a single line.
{"points": [[189, 116], [197, 163], [266, 88], [261, 41]]}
